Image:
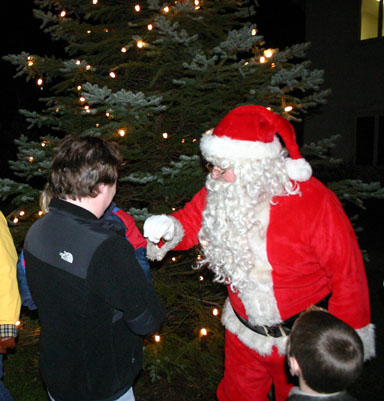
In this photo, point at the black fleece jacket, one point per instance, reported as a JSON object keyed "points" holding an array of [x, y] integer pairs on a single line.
{"points": [[94, 304]]}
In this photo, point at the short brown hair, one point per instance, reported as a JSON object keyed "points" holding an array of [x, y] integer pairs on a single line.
{"points": [[81, 164], [328, 351]]}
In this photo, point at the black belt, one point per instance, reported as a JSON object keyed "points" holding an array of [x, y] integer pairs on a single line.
{"points": [[279, 330]]}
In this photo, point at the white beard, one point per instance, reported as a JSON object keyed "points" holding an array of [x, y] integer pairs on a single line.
{"points": [[233, 234]]}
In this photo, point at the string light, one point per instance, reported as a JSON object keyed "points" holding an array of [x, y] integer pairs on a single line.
{"points": [[97, 125], [112, 74], [137, 8], [140, 44], [197, 4], [63, 14], [57, 110], [149, 27], [79, 88], [201, 278], [203, 332], [40, 213], [40, 81], [268, 53], [157, 338], [165, 135], [173, 259], [288, 108], [262, 59], [86, 107], [44, 144], [108, 114], [18, 323], [78, 62], [94, 2], [15, 220], [123, 49], [183, 140], [30, 159], [215, 312], [30, 61], [166, 9], [21, 213], [89, 31], [121, 132], [88, 67], [194, 140], [254, 32]]}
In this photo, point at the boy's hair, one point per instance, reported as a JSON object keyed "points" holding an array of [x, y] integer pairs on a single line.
{"points": [[80, 165], [328, 351]]}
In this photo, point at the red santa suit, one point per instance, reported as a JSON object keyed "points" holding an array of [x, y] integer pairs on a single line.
{"points": [[309, 252]]}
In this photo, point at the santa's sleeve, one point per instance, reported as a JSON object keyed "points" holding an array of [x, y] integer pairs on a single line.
{"points": [[189, 218], [337, 249]]}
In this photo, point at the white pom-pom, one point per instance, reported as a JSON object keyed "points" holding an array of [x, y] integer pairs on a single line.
{"points": [[298, 169]]}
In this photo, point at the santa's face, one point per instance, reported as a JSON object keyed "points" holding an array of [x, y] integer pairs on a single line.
{"points": [[227, 175]]}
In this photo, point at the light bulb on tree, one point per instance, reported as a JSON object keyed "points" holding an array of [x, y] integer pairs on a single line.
{"points": [[137, 8], [203, 332], [63, 14], [149, 27], [287, 109], [112, 74], [121, 132]]}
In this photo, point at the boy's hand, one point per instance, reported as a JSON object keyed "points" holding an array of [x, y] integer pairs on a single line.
{"points": [[5, 343]]}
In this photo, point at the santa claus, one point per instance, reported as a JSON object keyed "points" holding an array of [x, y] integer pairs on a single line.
{"points": [[277, 237]]}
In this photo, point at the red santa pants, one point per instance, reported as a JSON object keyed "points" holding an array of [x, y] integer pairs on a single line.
{"points": [[249, 376]]}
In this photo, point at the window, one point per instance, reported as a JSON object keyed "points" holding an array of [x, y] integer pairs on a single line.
{"points": [[370, 140], [371, 19]]}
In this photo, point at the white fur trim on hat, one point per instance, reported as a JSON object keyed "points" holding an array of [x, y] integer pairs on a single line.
{"points": [[225, 147], [298, 169]]}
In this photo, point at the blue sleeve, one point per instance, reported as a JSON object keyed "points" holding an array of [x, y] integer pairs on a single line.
{"points": [[25, 294], [141, 257]]}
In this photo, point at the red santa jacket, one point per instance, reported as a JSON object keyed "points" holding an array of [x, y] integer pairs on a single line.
{"points": [[312, 251]]}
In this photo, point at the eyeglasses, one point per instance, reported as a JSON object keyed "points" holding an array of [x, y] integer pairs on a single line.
{"points": [[219, 170]]}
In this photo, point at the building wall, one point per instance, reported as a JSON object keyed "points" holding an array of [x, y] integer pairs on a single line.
{"points": [[354, 71]]}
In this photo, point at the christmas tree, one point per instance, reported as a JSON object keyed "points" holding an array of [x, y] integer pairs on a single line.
{"points": [[153, 76]]}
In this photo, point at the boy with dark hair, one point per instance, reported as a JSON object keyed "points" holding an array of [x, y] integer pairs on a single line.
{"points": [[325, 354], [93, 299]]}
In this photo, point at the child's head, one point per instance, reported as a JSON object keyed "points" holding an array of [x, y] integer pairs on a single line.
{"points": [[329, 352]]}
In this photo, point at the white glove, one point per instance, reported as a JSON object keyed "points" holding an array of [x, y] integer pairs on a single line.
{"points": [[157, 227]]}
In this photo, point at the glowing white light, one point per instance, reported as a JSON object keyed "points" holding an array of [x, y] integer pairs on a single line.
{"points": [[137, 8], [203, 332], [288, 108], [121, 132], [112, 75]]}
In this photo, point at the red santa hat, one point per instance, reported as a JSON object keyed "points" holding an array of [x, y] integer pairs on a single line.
{"points": [[249, 132]]}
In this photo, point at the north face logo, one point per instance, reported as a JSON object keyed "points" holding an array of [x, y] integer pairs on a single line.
{"points": [[68, 257]]}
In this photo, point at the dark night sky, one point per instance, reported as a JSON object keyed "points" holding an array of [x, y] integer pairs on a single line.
{"points": [[281, 22]]}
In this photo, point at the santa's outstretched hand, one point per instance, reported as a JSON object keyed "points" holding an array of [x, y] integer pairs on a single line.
{"points": [[159, 227]]}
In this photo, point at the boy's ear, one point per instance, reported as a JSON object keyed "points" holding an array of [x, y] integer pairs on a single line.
{"points": [[294, 367]]}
